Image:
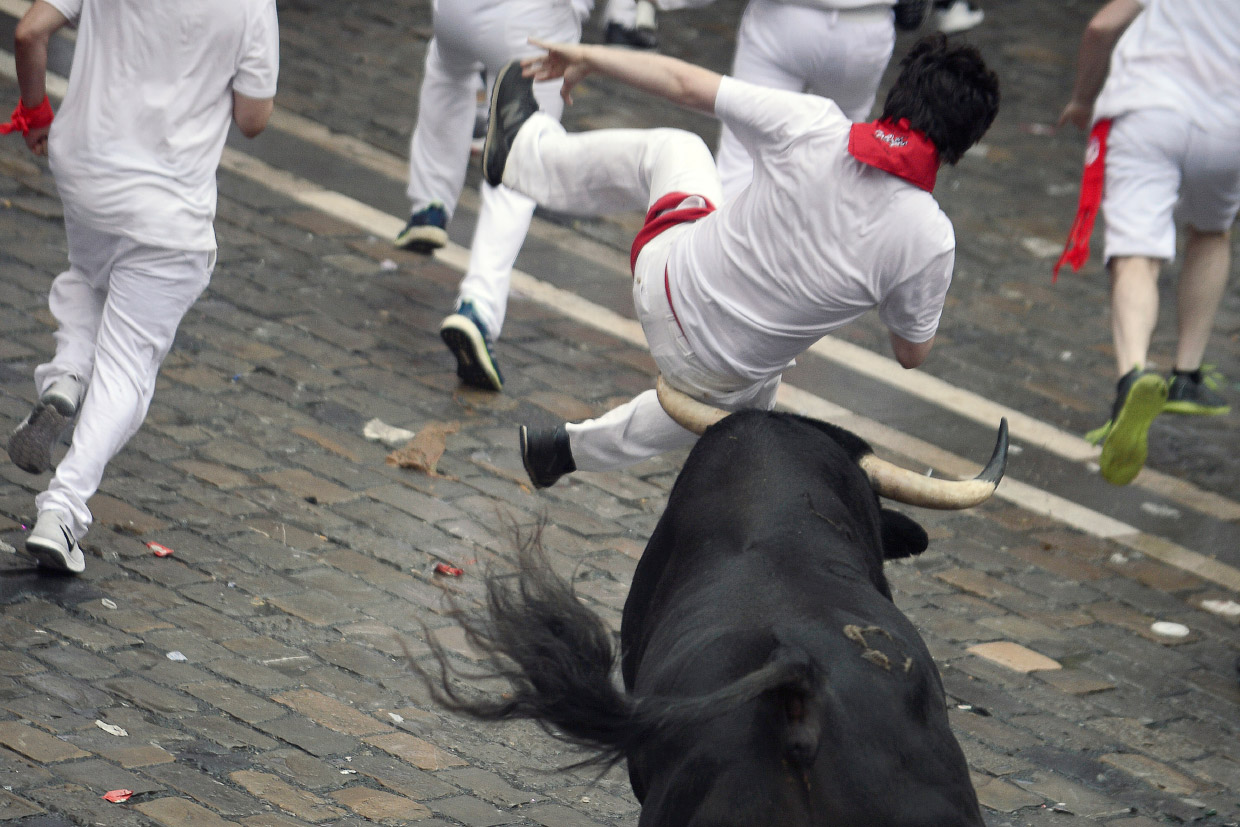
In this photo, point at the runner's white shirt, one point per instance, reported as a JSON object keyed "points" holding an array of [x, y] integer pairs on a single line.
{"points": [[1182, 55], [816, 240], [137, 141]]}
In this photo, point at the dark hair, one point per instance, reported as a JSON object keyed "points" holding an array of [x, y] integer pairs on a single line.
{"points": [[946, 92]]}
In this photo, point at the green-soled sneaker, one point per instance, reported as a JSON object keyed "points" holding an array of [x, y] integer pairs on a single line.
{"points": [[1140, 398], [1195, 393]]}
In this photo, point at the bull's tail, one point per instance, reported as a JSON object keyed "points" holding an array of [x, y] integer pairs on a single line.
{"points": [[559, 659]]}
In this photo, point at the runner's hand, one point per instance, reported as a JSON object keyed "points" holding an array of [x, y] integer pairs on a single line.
{"points": [[562, 60]]}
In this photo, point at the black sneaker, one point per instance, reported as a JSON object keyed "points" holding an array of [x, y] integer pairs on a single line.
{"points": [[1192, 392], [909, 14], [512, 103], [546, 455], [30, 446], [467, 337], [614, 34], [1139, 398], [425, 231]]}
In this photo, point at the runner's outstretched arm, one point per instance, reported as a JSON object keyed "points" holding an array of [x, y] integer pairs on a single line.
{"points": [[690, 86], [1094, 58]]}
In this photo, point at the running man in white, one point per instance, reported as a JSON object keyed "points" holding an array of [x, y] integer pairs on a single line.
{"points": [[134, 151], [838, 220], [1159, 80], [473, 35]]}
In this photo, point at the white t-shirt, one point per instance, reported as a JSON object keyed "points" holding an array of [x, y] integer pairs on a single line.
{"points": [[815, 240], [1182, 55], [137, 141]]}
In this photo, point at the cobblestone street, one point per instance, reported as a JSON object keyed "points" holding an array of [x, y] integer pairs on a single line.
{"points": [[257, 676]]}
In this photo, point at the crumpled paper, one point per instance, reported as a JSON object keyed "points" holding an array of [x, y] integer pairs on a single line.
{"points": [[377, 430], [423, 450]]}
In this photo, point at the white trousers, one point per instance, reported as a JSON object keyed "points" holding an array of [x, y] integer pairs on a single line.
{"points": [[471, 35], [117, 308], [612, 170], [839, 55]]}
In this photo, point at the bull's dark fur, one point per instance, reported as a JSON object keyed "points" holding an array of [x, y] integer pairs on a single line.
{"points": [[768, 677]]}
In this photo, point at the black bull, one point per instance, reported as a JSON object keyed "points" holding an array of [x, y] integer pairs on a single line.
{"points": [[768, 677]]}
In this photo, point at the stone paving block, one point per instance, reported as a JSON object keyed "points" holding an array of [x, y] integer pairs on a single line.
{"points": [[400, 777], [332, 713], [218, 475], [14, 663], [18, 773], [1073, 797], [1075, 681], [306, 770], [91, 636], [311, 737], [177, 812], [305, 485], [145, 755], [228, 733], [277, 792], [112, 512], [422, 754], [1002, 796], [83, 806], [237, 702], [204, 788], [14, 807], [37, 745], [100, 776], [414, 503], [377, 805], [315, 608], [1014, 656], [1152, 772], [151, 696], [474, 812], [556, 815]]}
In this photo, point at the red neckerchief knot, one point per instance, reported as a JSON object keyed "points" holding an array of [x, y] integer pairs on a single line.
{"points": [[26, 118], [897, 148]]}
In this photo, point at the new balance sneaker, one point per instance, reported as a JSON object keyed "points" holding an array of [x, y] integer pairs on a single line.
{"points": [[1192, 392], [52, 543], [467, 337], [546, 454], [31, 443], [1140, 396], [512, 103], [957, 16], [425, 231]]}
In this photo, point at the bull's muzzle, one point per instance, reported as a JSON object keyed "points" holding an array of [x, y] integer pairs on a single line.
{"points": [[887, 479]]}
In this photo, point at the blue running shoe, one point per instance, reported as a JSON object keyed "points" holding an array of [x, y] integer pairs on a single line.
{"points": [[467, 337], [425, 231]]}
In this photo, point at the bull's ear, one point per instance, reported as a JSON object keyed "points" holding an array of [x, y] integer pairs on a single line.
{"points": [[902, 536]]}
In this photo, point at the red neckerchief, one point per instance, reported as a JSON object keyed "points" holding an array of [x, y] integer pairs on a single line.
{"points": [[663, 215], [25, 118], [896, 148], [1076, 250]]}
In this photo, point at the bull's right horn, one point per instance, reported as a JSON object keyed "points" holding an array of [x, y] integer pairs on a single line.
{"points": [[905, 486], [688, 412]]}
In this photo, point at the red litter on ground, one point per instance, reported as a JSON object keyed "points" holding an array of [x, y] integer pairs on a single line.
{"points": [[160, 551], [452, 571], [117, 796]]}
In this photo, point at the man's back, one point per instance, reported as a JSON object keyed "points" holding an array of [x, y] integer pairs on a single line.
{"points": [[138, 138]]}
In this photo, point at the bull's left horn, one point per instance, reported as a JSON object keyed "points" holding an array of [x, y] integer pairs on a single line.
{"points": [[905, 486], [688, 412]]}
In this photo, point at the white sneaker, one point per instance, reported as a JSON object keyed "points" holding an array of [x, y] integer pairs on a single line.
{"points": [[960, 16], [65, 394], [53, 544]]}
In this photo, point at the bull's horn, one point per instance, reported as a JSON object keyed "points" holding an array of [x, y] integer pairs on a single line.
{"points": [[688, 412], [888, 480], [905, 486]]}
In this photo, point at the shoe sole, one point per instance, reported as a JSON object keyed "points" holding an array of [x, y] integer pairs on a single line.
{"points": [[1126, 446], [1195, 409], [50, 556], [474, 365], [424, 239], [525, 458], [30, 446], [492, 145]]}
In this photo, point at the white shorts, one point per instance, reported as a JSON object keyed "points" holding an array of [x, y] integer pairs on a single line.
{"points": [[1161, 168]]}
